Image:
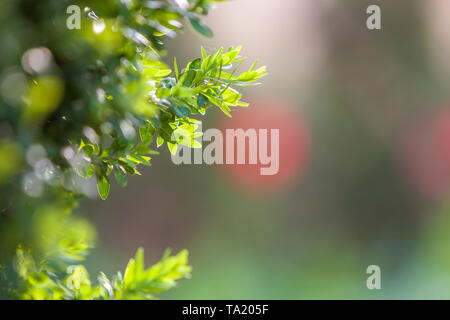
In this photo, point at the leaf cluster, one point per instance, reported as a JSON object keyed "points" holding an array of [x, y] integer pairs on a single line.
{"points": [[98, 104], [41, 282]]}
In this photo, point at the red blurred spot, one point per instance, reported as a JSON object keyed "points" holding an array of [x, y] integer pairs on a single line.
{"points": [[294, 145], [425, 153]]}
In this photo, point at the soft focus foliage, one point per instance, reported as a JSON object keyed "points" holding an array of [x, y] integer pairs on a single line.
{"points": [[137, 282], [85, 105]]}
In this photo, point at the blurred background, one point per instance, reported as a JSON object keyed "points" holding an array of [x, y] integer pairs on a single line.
{"points": [[364, 119]]}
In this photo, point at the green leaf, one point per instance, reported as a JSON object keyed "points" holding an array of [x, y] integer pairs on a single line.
{"points": [[146, 133], [202, 100], [175, 67], [142, 149], [129, 169], [159, 141], [201, 27], [195, 64], [139, 259], [172, 147], [103, 187], [88, 149], [130, 275], [190, 76], [163, 72], [204, 55], [89, 170], [181, 111], [120, 176]]}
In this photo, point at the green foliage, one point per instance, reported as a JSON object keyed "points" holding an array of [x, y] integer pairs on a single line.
{"points": [[95, 106], [173, 100], [137, 283]]}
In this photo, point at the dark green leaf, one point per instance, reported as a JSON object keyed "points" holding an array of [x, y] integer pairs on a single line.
{"points": [[181, 111], [202, 100], [120, 176], [201, 27]]}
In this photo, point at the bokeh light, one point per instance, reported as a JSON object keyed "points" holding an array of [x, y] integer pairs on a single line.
{"points": [[425, 152], [294, 145]]}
